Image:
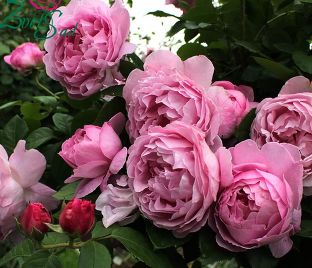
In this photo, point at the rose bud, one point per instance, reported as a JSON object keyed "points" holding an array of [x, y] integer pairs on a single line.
{"points": [[25, 56], [77, 217], [34, 217]]}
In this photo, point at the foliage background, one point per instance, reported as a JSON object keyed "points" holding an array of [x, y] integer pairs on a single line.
{"points": [[258, 43]]}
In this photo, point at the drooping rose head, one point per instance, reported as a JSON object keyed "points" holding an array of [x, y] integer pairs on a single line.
{"points": [[95, 153], [233, 103], [77, 217], [25, 57], [87, 60], [288, 118], [47, 5], [34, 218], [262, 205], [170, 90], [19, 184], [174, 176]]}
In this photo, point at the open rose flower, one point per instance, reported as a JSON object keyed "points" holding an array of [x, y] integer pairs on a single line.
{"points": [[288, 118], [262, 205], [19, 184], [171, 90], [233, 103], [25, 57], [87, 60], [116, 202], [95, 153], [175, 176]]}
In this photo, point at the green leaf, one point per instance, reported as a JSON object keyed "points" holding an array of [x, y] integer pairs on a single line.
{"points": [[306, 1], [42, 259], [275, 68], [34, 111], [162, 14], [52, 238], [126, 67], [39, 137], [135, 59], [81, 104], [4, 49], [83, 118], [46, 100], [10, 104], [113, 91], [140, 247], [63, 122], [243, 130], [210, 251], [94, 255], [177, 27], [15, 130], [191, 49], [69, 258], [252, 47], [261, 258], [306, 229], [67, 192], [303, 61], [24, 249], [161, 238], [55, 227], [100, 231]]}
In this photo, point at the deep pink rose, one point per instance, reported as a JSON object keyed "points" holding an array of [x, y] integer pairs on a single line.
{"points": [[116, 202], [88, 61], [171, 90], [233, 103], [25, 56], [175, 176], [19, 184], [95, 153], [77, 217], [262, 205], [288, 118]]}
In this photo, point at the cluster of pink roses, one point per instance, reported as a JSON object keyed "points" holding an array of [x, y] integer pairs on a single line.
{"points": [[179, 174]]}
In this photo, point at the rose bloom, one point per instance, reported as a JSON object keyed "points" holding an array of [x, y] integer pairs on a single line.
{"points": [[19, 184], [175, 176], [233, 102], [95, 153], [288, 118], [262, 204], [25, 56], [116, 202], [34, 218], [88, 61], [171, 90], [77, 217]]}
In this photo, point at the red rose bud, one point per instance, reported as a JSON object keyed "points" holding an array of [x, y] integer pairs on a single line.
{"points": [[34, 218], [77, 217]]}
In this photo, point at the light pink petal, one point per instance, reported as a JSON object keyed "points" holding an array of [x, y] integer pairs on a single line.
{"points": [[27, 166], [297, 84], [161, 59], [225, 162], [7, 59], [117, 122], [109, 141], [87, 186], [118, 161], [281, 247], [90, 170]]}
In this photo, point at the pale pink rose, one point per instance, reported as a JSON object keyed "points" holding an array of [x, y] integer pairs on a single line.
{"points": [[262, 204], [116, 202], [175, 176], [19, 184], [87, 61], [171, 90], [288, 118], [95, 153], [24, 57], [233, 103]]}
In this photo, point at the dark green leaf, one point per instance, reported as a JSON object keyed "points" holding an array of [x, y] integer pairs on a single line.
{"points": [[303, 61], [33, 111], [306, 229], [191, 49], [243, 130], [46, 100], [4, 49], [135, 59], [85, 117], [100, 231], [10, 104], [261, 258], [177, 27], [126, 67], [159, 13], [252, 47], [67, 192], [81, 104], [275, 68], [24, 249], [39, 137], [306, 1], [113, 91], [62, 122], [42, 259], [69, 258], [52, 238], [94, 255], [161, 238]]}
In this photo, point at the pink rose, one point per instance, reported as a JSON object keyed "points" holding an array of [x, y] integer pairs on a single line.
{"points": [[175, 176], [24, 57], [233, 102], [19, 184], [170, 90], [288, 118], [262, 205], [116, 202], [87, 61], [95, 153]]}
